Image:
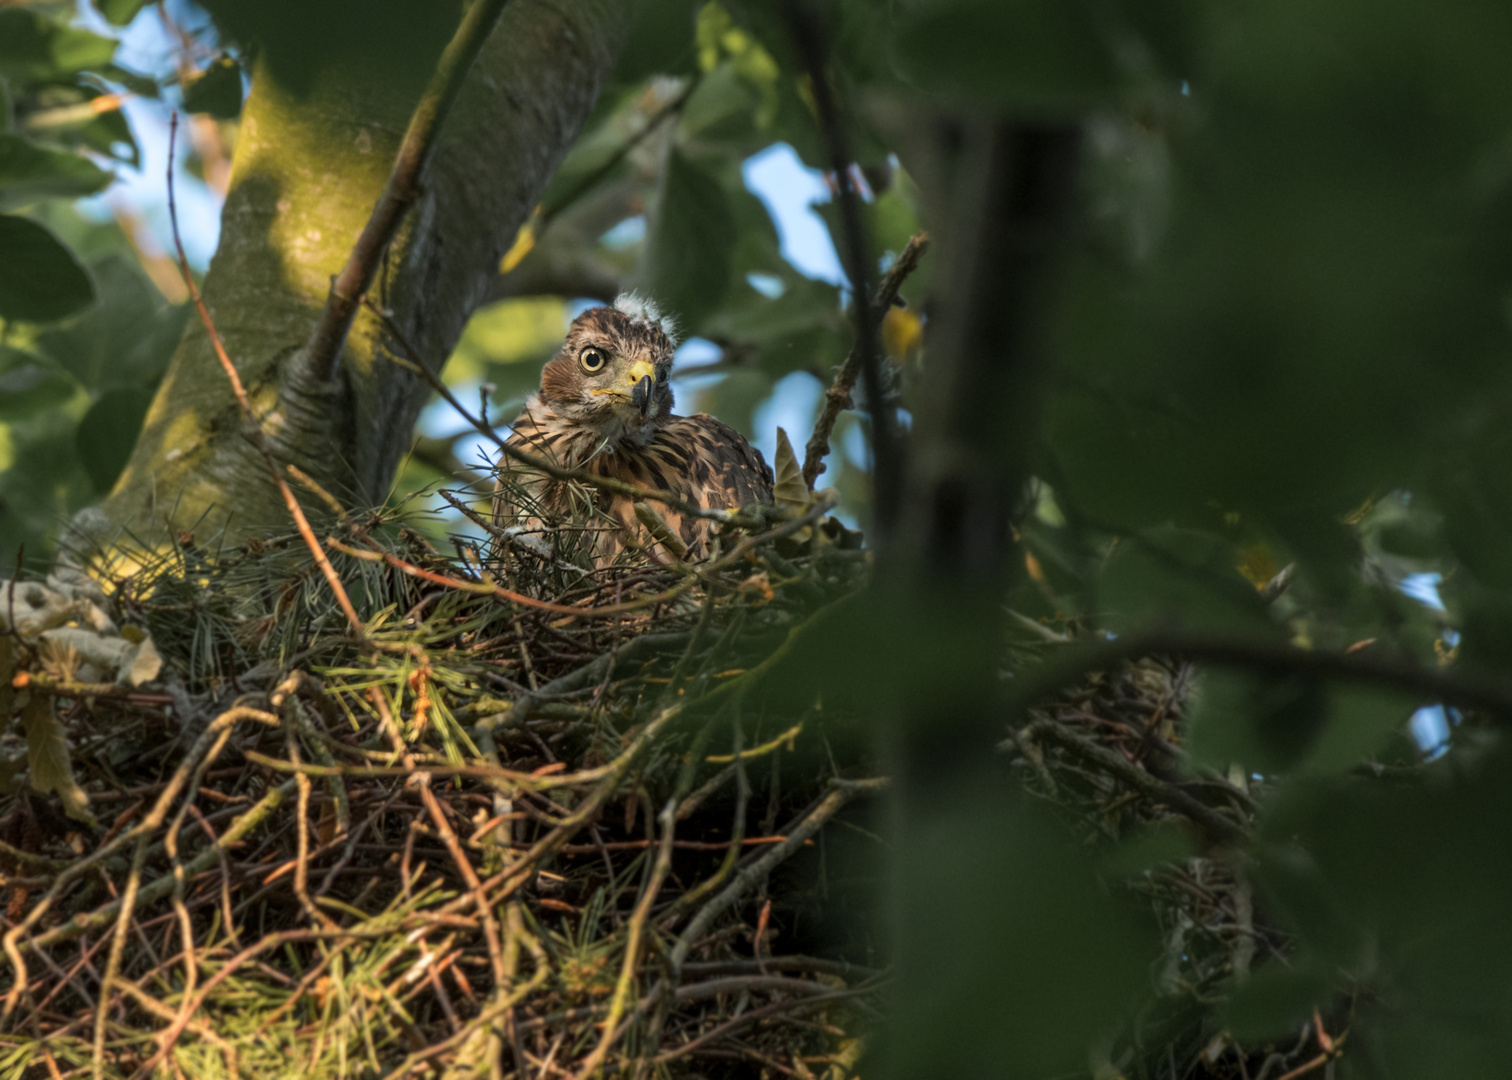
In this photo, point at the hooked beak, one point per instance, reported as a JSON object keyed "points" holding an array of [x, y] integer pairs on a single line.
{"points": [[642, 379], [641, 394]]}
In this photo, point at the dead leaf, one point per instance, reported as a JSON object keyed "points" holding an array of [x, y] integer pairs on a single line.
{"points": [[790, 493], [47, 755]]}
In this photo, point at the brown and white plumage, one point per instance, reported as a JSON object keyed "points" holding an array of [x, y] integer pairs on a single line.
{"points": [[605, 406]]}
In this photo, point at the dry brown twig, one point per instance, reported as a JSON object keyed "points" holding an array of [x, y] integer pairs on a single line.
{"points": [[253, 427], [838, 396]]}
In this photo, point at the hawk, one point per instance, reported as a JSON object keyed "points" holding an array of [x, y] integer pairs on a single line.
{"points": [[605, 406]]}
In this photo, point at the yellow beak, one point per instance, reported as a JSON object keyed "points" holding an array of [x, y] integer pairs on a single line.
{"points": [[641, 369]]}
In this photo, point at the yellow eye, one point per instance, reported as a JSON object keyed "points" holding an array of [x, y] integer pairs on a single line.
{"points": [[592, 360]]}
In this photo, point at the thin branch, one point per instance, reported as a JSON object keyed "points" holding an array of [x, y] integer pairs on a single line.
{"points": [[323, 351], [838, 396], [254, 428], [597, 176], [887, 465], [1151, 787], [1491, 694], [746, 879]]}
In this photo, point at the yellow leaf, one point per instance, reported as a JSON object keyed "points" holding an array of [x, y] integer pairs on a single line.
{"points": [[1257, 565], [525, 240], [902, 332], [47, 755]]}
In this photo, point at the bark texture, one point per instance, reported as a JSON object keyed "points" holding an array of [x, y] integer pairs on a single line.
{"points": [[306, 175]]}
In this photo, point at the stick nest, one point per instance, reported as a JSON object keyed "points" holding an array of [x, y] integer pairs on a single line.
{"points": [[528, 837], [539, 821]]}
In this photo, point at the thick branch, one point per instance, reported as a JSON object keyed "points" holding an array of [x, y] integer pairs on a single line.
{"points": [[323, 351], [308, 171]]}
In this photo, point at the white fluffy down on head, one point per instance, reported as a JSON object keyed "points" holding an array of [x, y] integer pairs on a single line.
{"points": [[643, 309]]}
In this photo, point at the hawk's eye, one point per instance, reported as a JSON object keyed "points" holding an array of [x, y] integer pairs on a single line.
{"points": [[592, 360]]}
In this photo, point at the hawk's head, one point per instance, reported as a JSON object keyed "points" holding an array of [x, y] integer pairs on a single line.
{"points": [[611, 373]]}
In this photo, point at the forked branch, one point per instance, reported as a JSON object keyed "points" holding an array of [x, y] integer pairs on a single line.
{"points": [[323, 350]]}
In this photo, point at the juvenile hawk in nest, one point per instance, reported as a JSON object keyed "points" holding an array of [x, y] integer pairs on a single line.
{"points": [[605, 406]]}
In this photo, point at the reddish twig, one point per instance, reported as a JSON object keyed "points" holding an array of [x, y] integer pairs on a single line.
{"points": [[323, 351], [254, 429]]}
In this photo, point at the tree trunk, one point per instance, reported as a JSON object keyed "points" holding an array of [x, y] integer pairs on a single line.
{"points": [[306, 175]]}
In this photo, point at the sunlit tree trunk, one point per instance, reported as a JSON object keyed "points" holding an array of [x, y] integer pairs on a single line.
{"points": [[306, 175]]}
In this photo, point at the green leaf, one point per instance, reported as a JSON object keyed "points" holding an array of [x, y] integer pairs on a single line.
{"points": [[1171, 576], [39, 277], [1032, 961], [393, 43], [660, 41], [126, 339], [217, 91], [1018, 53], [1263, 725], [1278, 999], [48, 757], [109, 431], [120, 12], [28, 386], [29, 171], [65, 115], [33, 46], [688, 246]]}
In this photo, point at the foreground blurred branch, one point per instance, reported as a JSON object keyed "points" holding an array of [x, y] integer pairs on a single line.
{"points": [[1435, 685], [809, 35]]}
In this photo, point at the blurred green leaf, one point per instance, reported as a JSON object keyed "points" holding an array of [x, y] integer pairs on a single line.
{"points": [[216, 91], [1052, 57], [1023, 960], [687, 256], [125, 340], [660, 41], [395, 41], [1172, 577], [1149, 849], [33, 46], [109, 430], [1263, 725], [28, 171], [74, 116], [120, 12], [28, 386], [39, 278], [1278, 999], [1417, 880]]}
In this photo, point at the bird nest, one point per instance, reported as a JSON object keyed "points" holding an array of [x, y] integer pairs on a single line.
{"points": [[526, 822], [537, 819]]}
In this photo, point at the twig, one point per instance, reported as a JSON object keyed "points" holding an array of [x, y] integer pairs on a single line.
{"points": [[589, 182], [1151, 787], [155, 817], [747, 877], [637, 929], [808, 35], [323, 350], [838, 396], [254, 428]]}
